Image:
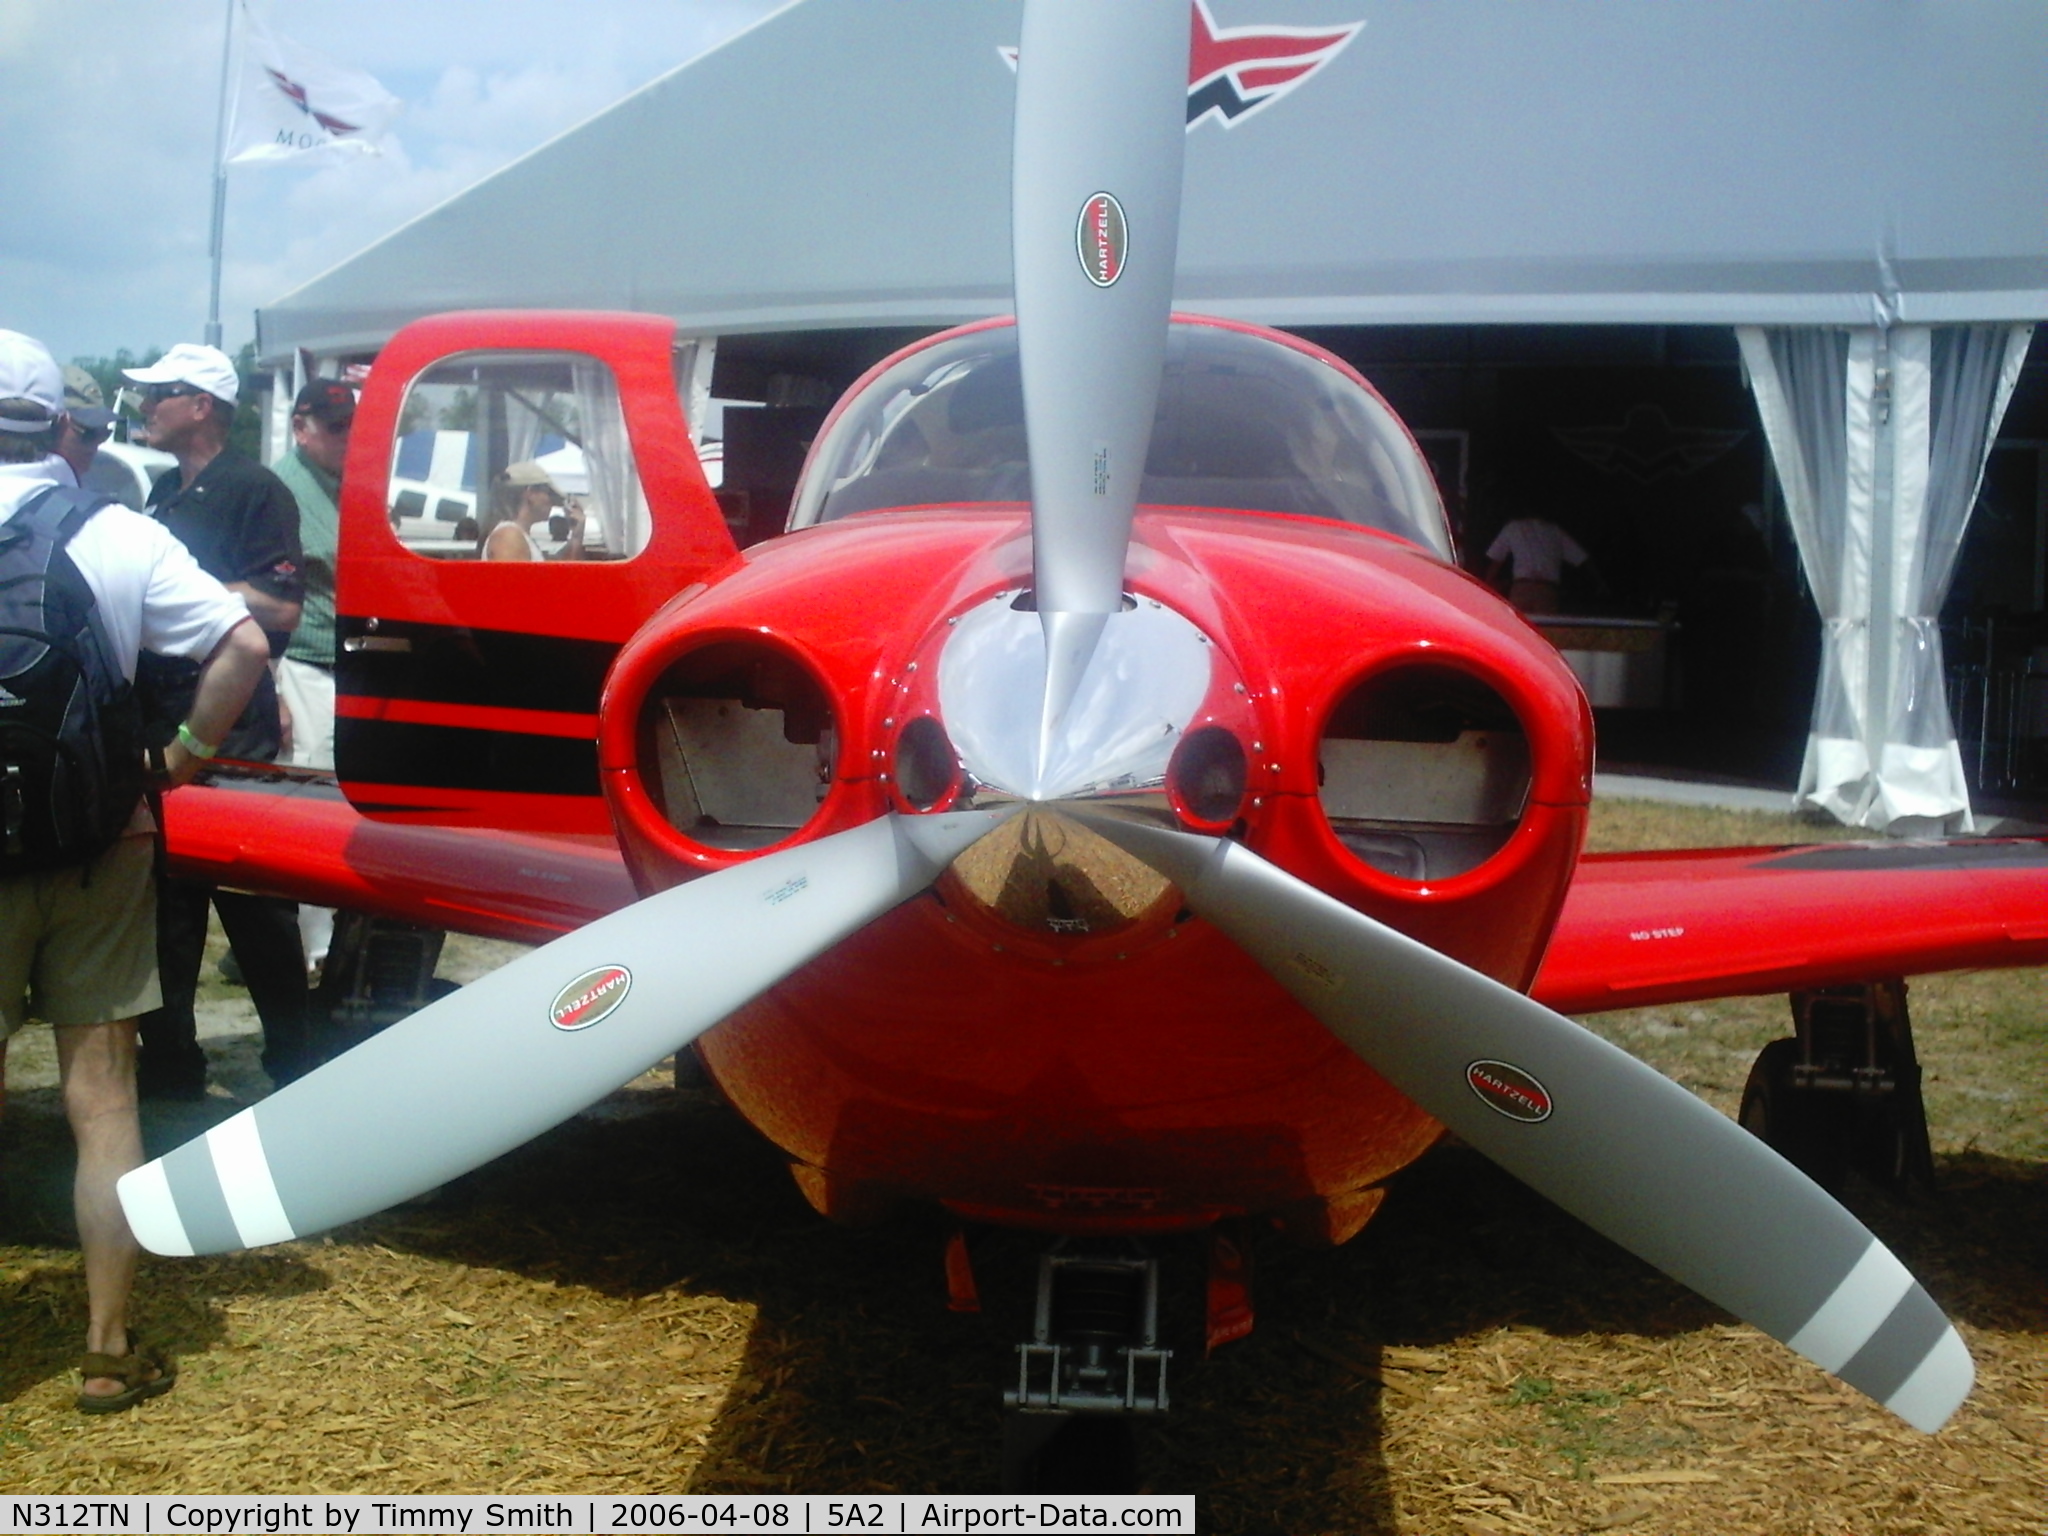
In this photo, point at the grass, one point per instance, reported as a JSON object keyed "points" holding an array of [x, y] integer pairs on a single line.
{"points": [[1620, 825], [1581, 1425]]}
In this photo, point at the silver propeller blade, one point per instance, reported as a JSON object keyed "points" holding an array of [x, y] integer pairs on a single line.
{"points": [[1095, 219], [520, 1050], [1617, 1144]]}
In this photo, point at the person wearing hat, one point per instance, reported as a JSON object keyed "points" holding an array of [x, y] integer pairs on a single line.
{"points": [[322, 416], [242, 526], [526, 495], [78, 944], [86, 421]]}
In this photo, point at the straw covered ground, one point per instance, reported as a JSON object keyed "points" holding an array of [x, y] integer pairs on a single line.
{"points": [[640, 1302]]}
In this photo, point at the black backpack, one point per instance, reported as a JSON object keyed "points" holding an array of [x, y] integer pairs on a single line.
{"points": [[71, 764]]}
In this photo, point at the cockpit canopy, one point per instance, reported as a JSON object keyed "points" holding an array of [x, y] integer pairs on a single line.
{"points": [[1246, 422]]}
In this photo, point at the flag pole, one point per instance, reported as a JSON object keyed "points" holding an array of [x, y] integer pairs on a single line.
{"points": [[220, 177]]}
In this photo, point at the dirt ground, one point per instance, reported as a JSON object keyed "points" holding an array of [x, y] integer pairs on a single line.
{"points": [[640, 1301]]}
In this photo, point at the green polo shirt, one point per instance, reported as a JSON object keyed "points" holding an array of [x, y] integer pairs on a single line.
{"points": [[319, 532]]}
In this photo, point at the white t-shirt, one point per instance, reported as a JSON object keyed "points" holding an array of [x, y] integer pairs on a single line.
{"points": [[152, 595], [1538, 551]]}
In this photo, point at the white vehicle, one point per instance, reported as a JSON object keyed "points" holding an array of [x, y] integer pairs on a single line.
{"points": [[424, 512], [127, 472]]}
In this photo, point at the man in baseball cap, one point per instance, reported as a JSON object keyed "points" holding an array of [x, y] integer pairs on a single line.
{"points": [[242, 526], [83, 401], [86, 423]]}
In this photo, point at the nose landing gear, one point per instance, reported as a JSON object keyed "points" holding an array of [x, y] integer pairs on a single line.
{"points": [[1092, 1366]]}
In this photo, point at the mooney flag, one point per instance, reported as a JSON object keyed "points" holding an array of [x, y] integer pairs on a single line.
{"points": [[291, 101], [1235, 71]]}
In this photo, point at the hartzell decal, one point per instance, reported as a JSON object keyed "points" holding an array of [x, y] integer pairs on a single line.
{"points": [[1102, 239], [590, 997]]}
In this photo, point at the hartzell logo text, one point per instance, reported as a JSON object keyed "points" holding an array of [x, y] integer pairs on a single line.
{"points": [[590, 997], [1509, 1091], [1104, 238]]}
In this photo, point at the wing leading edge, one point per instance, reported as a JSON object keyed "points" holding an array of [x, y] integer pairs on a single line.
{"points": [[289, 832], [1645, 928]]}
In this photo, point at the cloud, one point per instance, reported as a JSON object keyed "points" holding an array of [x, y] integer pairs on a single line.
{"points": [[109, 118]]}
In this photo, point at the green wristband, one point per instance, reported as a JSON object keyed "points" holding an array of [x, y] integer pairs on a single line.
{"points": [[193, 744]]}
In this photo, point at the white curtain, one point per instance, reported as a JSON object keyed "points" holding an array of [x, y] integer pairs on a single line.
{"points": [[1880, 436], [608, 459], [526, 420]]}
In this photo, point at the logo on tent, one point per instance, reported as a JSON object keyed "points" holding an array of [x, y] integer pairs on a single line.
{"points": [[1646, 445], [1234, 72]]}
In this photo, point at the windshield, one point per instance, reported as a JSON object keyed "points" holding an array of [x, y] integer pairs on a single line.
{"points": [[1245, 422]]}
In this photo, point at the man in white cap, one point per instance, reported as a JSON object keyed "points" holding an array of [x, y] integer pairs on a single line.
{"points": [[242, 526], [78, 941]]}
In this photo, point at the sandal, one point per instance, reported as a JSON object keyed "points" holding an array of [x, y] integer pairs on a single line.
{"points": [[142, 1372]]}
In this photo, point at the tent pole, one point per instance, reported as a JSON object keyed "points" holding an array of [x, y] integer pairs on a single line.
{"points": [[1883, 614], [220, 176]]}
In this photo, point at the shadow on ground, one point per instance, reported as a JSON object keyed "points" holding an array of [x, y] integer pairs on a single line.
{"points": [[856, 1376]]}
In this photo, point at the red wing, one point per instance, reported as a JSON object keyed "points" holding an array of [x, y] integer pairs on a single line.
{"points": [[1641, 928], [290, 833]]}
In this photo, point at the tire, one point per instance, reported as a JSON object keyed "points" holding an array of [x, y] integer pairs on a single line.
{"points": [[1881, 1152], [1811, 1131]]}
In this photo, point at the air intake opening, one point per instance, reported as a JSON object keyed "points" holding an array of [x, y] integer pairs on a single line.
{"points": [[1207, 776], [926, 767], [1424, 772], [737, 740]]}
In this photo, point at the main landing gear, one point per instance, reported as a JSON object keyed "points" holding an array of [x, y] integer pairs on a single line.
{"points": [[1844, 1092], [378, 971], [1092, 1366]]}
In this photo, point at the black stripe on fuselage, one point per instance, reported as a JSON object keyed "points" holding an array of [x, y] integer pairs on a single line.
{"points": [[457, 757], [453, 664]]}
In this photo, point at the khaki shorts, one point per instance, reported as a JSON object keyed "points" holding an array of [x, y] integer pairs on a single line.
{"points": [[78, 946]]}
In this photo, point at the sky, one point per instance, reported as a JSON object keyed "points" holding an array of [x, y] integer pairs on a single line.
{"points": [[107, 115]]}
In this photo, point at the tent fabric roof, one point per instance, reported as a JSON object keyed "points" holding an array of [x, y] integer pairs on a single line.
{"points": [[845, 163]]}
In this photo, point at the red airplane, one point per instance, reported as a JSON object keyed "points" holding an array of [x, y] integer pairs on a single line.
{"points": [[1107, 811]]}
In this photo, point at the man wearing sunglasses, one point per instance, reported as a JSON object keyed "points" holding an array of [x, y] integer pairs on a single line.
{"points": [[242, 526]]}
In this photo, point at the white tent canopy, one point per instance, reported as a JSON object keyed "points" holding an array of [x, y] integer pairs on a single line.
{"points": [[845, 163], [1857, 185]]}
